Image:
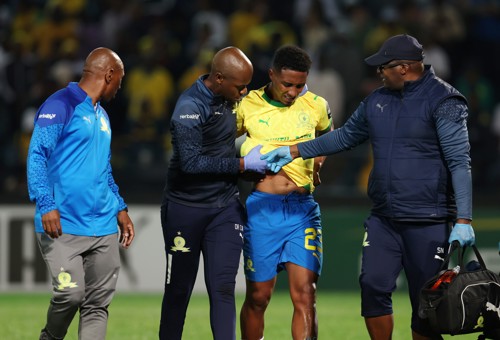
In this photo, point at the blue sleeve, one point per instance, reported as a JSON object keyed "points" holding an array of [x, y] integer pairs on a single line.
{"points": [[43, 142], [49, 123], [188, 135], [351, 134], [114, 187], [451, 125]]}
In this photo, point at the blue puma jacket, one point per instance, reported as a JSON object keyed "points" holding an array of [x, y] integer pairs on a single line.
{"points": [[68, 166]]}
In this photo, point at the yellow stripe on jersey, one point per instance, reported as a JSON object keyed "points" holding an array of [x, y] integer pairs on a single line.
{"points": [[272, 124]]}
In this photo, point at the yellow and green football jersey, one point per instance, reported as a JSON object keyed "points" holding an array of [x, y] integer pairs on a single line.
{"points": [[273, 124]]}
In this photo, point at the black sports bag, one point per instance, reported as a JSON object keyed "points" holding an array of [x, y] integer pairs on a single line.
{"points": [[469, 303]]}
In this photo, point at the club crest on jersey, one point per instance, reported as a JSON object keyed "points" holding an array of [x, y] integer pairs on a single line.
{"points": [[179, 243], [64, 279], [104, 125], [305, 121]]}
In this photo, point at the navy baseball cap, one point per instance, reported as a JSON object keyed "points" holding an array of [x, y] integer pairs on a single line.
{"points": [[398, 47]]}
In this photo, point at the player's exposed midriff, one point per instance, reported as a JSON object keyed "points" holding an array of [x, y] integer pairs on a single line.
{"points": [[279, 184]]}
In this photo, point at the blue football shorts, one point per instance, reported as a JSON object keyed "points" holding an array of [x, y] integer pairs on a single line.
{"points": [[280, 229]]}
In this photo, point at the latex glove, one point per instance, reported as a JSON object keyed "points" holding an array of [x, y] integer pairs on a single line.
{"points": [[277, 158], [463, 233], [253, 161]]}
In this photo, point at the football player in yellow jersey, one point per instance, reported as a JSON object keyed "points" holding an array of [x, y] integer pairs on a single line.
{"points": [[284, 223]]}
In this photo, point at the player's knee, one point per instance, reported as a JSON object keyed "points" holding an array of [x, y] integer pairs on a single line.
{"points": [[69, 296], [372, 284], [259, 299], [226, 289], [304, 296], [375, 301]]}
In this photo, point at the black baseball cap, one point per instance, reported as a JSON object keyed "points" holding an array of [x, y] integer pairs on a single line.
{"points": [[398, 47]]}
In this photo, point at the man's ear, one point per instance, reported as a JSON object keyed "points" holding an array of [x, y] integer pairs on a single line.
{"points": [[219, 77], [109, 75]]}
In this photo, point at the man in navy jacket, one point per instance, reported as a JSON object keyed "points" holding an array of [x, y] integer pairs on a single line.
{"points": [[420, 183], [201, 212]]}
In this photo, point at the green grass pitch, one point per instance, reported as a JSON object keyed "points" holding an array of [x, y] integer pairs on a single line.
{"points": [[136, 317]]}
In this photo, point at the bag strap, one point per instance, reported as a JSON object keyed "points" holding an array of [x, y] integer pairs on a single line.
{"points": [[455, 246], [479, 258]]}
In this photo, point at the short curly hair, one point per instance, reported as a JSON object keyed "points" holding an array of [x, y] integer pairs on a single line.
{"points": [[291, 57]]}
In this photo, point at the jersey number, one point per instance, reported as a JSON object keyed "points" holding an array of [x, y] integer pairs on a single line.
{"points": [[311, 234]]}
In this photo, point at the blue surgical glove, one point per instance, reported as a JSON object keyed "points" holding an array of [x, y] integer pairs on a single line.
{"points": [[253, 161], [463, 233], [277, 158]]}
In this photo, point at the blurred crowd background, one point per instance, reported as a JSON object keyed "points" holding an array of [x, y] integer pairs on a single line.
{"points": [[166, 44]]}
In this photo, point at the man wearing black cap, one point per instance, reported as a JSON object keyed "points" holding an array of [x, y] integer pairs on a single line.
{"points": [[420, 183]]}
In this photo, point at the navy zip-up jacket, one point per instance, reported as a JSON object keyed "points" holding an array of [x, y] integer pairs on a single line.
{"points": [[204, 168], [420, 148]]}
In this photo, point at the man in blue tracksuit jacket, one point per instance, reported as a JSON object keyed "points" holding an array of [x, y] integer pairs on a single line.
{"points": [[420, 183], [78, 207]]}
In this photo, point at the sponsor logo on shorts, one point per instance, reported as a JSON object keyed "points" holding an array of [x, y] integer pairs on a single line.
{"points": [[439, 254]]}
